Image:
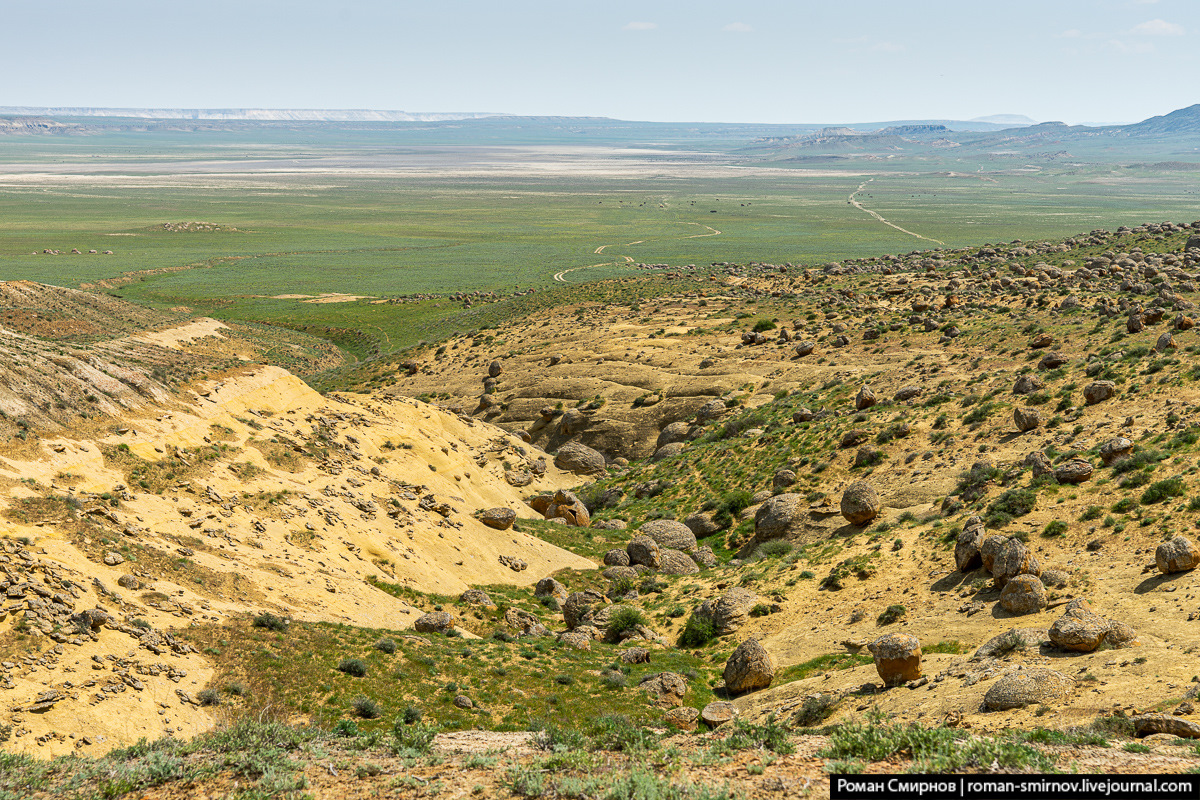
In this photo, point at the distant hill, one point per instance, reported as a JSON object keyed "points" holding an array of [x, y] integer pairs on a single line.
{"points": [[1183, 121], [1013, 120], [263, 114]]}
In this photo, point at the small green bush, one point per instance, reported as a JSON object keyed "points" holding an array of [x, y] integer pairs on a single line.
{"points": [[1011, 504], [1054, 528], [270, 622], [1162, 490], [891, 614], [697, 632], [386, 646], [353, 666], [625, 619], [366, 708]]}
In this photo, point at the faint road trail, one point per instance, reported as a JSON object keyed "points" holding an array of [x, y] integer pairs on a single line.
{"points": [[560, 276], [860, 207]]}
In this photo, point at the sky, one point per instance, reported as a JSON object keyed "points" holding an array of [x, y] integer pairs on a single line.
{"points": [[776, 61]]}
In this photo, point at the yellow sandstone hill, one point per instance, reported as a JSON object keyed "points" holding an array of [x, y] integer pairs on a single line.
{"points": [[256, 494]]}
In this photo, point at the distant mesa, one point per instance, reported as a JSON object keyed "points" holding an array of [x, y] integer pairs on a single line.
{"points": [[1015, 120]]}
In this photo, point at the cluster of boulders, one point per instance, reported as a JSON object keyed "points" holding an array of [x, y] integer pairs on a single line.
{"points": [[1014, 568], [662, 545]]}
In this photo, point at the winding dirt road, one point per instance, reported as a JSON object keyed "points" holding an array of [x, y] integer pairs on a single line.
{"points": [[558, 276], [860, 207]]}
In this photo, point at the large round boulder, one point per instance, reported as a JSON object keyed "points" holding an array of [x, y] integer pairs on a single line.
{"points": [[669, 533], [966, 549], [750, 667], [434, 622], [1177, 555], [1115, 449], [897, 658], [565, 505], [676, 562], [579, 458], [1079, 628], [860, 503], [1026, 419], [778, 516], [499, 518], [577, 608], [1098, 392], [865, 398], [645, 551], [1077, 470], [1024, 594], [728, 612], [1029, 686], [1015, 558]]}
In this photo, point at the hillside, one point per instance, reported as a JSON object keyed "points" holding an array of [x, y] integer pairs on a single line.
{"points": [[940, 501]]}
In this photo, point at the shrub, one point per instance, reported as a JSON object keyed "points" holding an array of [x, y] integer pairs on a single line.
{"points": [[411, 715], [891, 614], [776, 548], [769, 736], [816, 709], [1011, 504], [1054, 528], [625, 619], [208, 697], [764, 325], [1092, 512], [386, 646], [270, 621], [698, 632], [1162, 490], [418, 737], [614, 679], [366, 708], [353, 666], [760, 610], [346, 727]]}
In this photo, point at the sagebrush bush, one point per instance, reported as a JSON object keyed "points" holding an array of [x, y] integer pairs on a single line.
{"points": [[353, 666]]}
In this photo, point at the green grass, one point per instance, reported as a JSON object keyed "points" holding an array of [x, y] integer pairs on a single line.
{"points": [[511, 684]]}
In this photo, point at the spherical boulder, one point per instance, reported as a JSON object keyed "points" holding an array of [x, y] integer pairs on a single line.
{"points": [[579, 458], [1024, 594], [644, 550], [865, 398], [1015, 558], [499, 518], [860, 503], [749, 668], [1177, 555], [669, 533], [777, 516], [1098, 392], [897, 658], [1026, 419]]}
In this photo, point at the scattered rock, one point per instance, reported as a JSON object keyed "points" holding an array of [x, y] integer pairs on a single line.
{"points": [[865, 398], [669, 533], [1177, 555], [1148, 724], [860, 503], [778, 516], [434, 622], [728, 612], [1024, 594], [499, 518], [897, 658], [1029, 686], [718, 713], [1026, 419], [579, 458], [1098, 392], [749, 668]]}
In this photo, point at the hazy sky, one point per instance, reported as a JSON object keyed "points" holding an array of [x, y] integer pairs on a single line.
{"points": [[745, 61]]}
